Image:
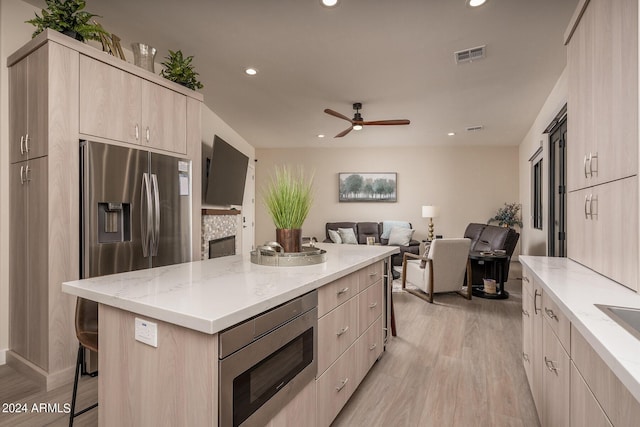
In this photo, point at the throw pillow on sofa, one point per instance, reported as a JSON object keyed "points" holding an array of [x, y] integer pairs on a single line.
{"points": [[335, 236], [400, 236], [348, 236], [387, 226]]}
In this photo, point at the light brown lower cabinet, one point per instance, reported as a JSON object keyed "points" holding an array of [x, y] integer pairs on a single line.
{"points": [[350, 337], [555, 380], [584, 408], [336, 386]]}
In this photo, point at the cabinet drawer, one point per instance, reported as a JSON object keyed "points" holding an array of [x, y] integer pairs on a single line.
{"points": [[335, 387], [584, 408], [370, 275], [368, 348], [618, 403], [527, 282], [336, 332], [555, 380], [335, 293], [369, 306], [558, 322]]}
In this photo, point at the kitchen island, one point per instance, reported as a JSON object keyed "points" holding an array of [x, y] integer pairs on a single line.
{"points": [[176, 383]]}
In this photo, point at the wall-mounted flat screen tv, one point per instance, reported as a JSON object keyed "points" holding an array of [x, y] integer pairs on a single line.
{"points": [[226, 174]]}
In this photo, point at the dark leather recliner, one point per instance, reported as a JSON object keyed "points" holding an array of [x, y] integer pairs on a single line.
{"points": [[490, 238], [363, 230]]}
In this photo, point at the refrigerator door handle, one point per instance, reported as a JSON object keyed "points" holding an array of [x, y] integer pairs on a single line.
{"points": [[156, 217], [145, 214]]}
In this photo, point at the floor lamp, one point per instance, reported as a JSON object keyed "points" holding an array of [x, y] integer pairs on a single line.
{"points": [[430, 212]]}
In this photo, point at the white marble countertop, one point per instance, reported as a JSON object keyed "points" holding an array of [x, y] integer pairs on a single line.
{"points": [[211, 295], [576, 289]]}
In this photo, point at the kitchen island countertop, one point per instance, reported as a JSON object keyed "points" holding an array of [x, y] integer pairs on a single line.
{"points": [[211, 295]]}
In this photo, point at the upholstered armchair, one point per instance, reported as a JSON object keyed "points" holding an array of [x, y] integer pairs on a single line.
{"points": [[441, 269]]}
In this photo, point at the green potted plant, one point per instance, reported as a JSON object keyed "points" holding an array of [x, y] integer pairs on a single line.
{"points": [[69, 18], [508, 216], [179, 69], [288, 198]]}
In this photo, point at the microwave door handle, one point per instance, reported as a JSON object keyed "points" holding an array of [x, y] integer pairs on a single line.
{"points": [[156, 209], [145, 214]]}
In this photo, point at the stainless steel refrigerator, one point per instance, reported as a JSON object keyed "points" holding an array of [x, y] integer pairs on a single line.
{"points": [[136, 209]]}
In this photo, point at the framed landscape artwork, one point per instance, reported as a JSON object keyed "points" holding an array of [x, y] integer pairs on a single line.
{"points": [[367, 187]]}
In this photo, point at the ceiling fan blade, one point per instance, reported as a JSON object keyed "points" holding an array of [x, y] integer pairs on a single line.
{"points": [[344, 132], [336, 114], [388, 122]]}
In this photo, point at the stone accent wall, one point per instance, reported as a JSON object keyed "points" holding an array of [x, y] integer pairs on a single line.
{"points": [[218, 226]]}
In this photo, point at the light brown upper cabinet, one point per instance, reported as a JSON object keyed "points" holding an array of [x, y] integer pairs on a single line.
{"points": [[28, 95], [117, 105], [602, 61]]}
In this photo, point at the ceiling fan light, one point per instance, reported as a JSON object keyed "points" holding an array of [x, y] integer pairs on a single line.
{"points": [[357, 127], [476, 3], [329, 3]]}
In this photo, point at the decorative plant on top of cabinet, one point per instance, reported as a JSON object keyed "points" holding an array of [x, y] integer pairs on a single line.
{"points": [[179, 69], [69, 18]]}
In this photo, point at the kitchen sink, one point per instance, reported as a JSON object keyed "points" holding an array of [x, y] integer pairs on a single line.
{"points": [[627, 317]]}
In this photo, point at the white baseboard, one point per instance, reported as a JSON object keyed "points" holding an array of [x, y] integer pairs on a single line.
{"points": [[3, 357]]}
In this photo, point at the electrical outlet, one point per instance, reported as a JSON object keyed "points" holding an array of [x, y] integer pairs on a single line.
{"points": [[146, 332]]}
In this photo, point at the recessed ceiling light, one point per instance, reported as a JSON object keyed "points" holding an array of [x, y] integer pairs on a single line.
{"points": [[451, 133], [329, 3], [476, 3], [251, 71], [321, 136]]}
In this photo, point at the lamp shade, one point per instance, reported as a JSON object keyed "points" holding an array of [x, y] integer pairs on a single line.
{"points": [[430, 211]]}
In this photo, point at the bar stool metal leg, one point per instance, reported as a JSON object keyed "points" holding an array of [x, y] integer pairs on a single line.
{"points": [[74, 414]]}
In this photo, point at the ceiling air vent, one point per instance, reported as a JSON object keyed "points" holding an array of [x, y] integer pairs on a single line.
{"points": [[469, 55], [474, 128]]}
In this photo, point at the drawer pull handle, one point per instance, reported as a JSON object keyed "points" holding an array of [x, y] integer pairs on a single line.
{"points": [[342, 384], [593, 170], [526, 279], [22, 180], [373, 305], [137, 132], [26, 143], [525, 313], [342, 331], [550, 366], [372, 347], [342, 291], [586, 173], [22, 145], [550, 313], [535, 299], [27, 169], [374, 274], [148, 134], [525, 356]]}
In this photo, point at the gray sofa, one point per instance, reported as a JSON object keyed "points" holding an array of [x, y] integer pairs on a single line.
{"points": [[363, 230]]}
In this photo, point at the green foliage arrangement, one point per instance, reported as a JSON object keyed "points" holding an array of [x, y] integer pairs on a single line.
{"points": [[68, 17], [179, 69], [508, 216], [288, 197]]}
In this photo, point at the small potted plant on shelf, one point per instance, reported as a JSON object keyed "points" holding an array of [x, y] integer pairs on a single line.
{"points": [[508, 216], [179, 69], [288, 198], [69, 18]]}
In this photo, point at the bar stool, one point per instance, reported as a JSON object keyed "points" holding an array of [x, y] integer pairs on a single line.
{"points": [[87, 333]]}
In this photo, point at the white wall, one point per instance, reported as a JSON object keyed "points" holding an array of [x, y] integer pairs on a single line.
{"points": [[213, 125], [468, 183], [13, 34], [534, 242]]}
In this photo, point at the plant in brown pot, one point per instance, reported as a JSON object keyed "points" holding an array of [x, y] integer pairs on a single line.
{"points": [[288, 198]]}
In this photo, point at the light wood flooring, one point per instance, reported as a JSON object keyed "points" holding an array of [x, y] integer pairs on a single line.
{"points": [[454, 363]]}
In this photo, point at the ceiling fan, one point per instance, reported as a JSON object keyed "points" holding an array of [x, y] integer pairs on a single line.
{"points": [[357, 122]]}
